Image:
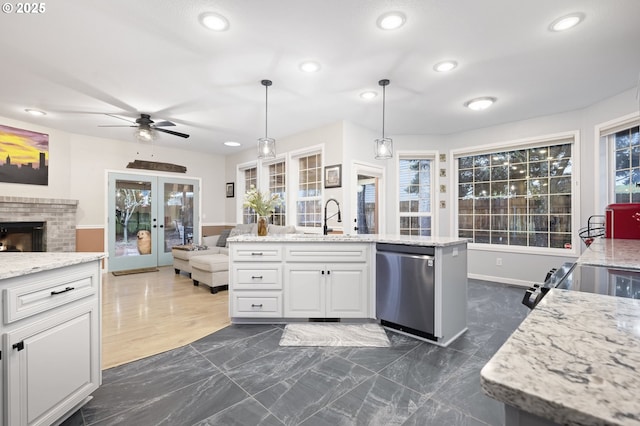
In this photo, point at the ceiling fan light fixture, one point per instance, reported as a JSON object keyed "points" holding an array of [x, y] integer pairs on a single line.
{"points": [[214, 21], [144, 134], [266, 145], [445, 66], [479, 104], [566, 22], [391, 20], [35, 112], [384, 145]]}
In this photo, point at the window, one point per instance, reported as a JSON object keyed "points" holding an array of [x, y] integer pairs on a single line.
{"points": [[517, 197], [415, 196], [277, 185], [625, 146], [309, 193], [250, 179]]}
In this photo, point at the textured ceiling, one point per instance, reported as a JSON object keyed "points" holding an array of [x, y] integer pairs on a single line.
{"points": [[82, 59]]}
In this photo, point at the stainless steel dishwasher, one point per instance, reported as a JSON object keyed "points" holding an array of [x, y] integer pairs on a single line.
{"points": [[405, 293]]}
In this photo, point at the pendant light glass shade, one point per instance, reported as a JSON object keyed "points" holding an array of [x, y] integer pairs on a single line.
{"points": [[383, 146], [266, 145]]}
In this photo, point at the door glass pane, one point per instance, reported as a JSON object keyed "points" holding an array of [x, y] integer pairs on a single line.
{"points": [[367, 213], [133, 217], [178, 215]]}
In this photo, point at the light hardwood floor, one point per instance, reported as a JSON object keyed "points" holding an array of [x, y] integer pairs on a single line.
{"points": [[149, 313]]}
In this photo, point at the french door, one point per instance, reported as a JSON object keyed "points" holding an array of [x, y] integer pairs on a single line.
{"points": [[148, 215]]}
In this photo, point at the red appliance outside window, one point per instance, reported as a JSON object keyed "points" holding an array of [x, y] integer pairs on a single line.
{"points": [[622, 221]]}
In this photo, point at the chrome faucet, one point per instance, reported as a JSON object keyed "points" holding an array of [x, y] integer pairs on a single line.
{"points": [[325, 229]]}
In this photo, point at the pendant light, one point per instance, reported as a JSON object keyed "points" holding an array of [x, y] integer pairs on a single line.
{"points": [[266, 145], [384, 146]]}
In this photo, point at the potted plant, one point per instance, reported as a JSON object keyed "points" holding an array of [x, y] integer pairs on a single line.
{"points": [[263, 205]]}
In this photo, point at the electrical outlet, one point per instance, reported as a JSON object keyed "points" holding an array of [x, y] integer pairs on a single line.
{"points": [[498, 261]]}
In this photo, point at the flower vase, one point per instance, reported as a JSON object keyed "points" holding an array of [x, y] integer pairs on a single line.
{"points": [[262, 226]]}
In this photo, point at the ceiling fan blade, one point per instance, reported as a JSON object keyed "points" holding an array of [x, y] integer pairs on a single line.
{"points": [[114, 125], [125, 119], [171, 132], [163, 123]]}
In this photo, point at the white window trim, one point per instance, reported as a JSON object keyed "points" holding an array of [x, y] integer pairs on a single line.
{"points": [[240, 189], [518, 144], [434, 156], [603, 163], [292, 184], [263, 178]]}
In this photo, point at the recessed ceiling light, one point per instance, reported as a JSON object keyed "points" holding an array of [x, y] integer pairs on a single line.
{"points": [[445, 66], [232, 143], [35, 112], [214, 21], [368, 95], [391, 20], [478, 104], [310, 66], [566, 22]]}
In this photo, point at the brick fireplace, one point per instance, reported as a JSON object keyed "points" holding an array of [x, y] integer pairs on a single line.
{"points": [[58, 217]]}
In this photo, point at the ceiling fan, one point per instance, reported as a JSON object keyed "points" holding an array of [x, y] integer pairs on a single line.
{"points": [[146, 127]]}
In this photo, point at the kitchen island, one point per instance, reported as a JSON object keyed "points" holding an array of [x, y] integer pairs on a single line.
{"points": [[575, 358], [309, 277], [50, 334]]}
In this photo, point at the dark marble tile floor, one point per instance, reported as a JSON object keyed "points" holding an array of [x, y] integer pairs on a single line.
{"points": [[240, 376]]}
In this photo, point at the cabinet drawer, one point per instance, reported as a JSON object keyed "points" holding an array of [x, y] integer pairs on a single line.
{"points": [[327, 252], [257, 304], [256, 252], [31, 294], [258, 277]]}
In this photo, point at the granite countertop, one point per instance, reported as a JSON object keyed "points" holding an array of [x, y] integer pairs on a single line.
{"points": [[574, 360], [345, 238], [612, 253], [13, 264]]}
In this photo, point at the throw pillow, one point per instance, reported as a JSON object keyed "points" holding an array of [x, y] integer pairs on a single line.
{"points": [[222, 239]]}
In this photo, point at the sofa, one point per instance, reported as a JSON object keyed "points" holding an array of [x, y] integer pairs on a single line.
{"points": [[209, 264]]}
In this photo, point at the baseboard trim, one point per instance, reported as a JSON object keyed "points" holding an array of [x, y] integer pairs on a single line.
{"points": [[502, 280]]}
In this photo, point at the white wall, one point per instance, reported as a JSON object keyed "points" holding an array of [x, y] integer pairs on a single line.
{"points": [[77, 165]]}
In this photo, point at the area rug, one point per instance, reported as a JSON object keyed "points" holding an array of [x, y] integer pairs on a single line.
{"points": [[351, 335], [134, 271]]}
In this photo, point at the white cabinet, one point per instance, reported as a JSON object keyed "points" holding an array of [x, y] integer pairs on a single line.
{"points": [[333, 290], [50, 343], [300, 280], [327, 281], [255, 281]]}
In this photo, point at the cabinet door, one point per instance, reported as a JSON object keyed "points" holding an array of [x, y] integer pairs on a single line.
{"points": [[304, 291], [347, 291], [52, 365]]}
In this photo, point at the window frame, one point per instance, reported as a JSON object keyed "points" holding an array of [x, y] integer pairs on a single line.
{"points": [[264, 183], [293, 185], [525, 143], [432, 156]]}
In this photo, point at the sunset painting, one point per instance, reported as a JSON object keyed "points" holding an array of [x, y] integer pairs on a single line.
{"points": [[24, 156]]}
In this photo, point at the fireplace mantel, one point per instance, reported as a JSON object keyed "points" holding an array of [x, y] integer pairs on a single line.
{"points": [[58, 214]]}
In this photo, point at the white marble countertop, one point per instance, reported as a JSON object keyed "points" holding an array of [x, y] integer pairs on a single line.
{"points": [[360, 238], [613, 253], [13, 264], [574, 360]]}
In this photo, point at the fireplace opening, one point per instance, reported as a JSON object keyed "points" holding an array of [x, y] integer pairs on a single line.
{"points": [[22, 236]]}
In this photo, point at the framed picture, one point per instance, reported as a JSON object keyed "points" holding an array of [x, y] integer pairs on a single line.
{"points": [[333, 176], [230, 193], [26, 154]]}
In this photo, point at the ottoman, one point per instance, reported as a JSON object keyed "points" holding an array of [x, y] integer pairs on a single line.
{"points": [[182, 255], [212, 270]]}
